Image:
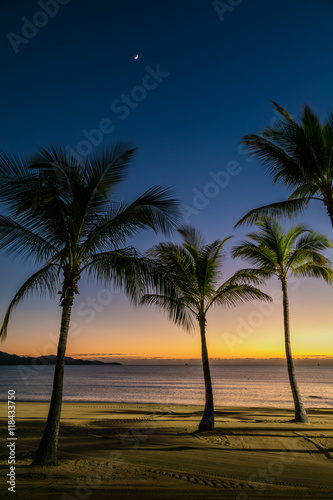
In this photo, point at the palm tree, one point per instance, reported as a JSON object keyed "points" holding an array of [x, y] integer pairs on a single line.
{"points": [[277, 252], [192, 271], [65, 216], [300, 155]]}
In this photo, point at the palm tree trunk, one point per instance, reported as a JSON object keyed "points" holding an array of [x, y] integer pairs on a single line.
{"points": [[329, 206], [300, 413], [207, 421], [47, 451]]}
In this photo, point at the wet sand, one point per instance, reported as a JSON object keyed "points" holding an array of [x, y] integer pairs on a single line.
{"points": [[149, 451]]}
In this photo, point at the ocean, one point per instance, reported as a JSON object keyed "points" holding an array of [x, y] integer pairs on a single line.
{"points": [[232, 385]]}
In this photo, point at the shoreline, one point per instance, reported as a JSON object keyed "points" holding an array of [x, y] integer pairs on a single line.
{"points": [[150, 403], [272, 407]]}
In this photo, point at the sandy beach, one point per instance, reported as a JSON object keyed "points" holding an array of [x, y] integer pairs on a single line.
{"points": [[150, 451]]}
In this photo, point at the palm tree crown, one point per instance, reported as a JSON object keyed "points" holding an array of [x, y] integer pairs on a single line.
{"points": [[277, 252], [192, 272], [300, 156], [297, 251], [61, 216]]}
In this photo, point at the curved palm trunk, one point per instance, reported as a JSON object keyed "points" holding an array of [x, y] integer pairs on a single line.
{"points": [[329, 207], [327, 198], [47, 451], [207, 421], [300, 413]]}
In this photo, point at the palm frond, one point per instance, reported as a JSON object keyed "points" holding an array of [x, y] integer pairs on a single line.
{"points": [[283, 112], [274, 158], [107, 167], [283, 209], [308, 250], [174, 307], [45, 280], [15, 181], [178, 265], [191, 237], [124, 268], [314, 270], [233, 294], [262, 256], [289, 240], [156, 209], [19, 240], [209, 264]]}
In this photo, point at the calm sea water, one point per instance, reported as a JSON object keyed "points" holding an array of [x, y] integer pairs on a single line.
{"points": [[233, 385]]}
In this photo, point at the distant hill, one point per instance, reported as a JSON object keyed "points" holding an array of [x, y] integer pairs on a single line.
{"points": [[12, 359]]}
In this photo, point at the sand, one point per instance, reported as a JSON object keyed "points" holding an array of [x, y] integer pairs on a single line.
{"points": [[149, 451]]}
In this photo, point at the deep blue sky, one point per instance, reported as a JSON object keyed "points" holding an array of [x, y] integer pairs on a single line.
{"points": [[222, 75]]}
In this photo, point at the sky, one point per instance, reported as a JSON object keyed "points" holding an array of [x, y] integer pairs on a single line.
{"points": [[205, 76]]}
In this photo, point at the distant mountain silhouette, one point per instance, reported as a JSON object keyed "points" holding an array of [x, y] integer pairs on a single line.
{"points": [[13, 359]]}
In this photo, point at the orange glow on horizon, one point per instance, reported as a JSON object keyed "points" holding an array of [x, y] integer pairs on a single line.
{"points": [[253, 330]]}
